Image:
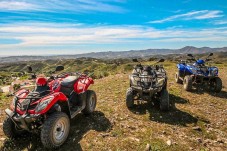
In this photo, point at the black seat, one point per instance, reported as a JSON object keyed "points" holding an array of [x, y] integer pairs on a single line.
{"points": [[67, 85], [69, 81], [43, 90]]}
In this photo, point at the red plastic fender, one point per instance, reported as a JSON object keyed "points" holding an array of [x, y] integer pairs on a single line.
{"points": [[58, 96], [22, 93], [82, 84], [55, 85]]}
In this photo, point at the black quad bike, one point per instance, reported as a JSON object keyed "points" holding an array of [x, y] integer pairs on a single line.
{"points": [[148, 83]]}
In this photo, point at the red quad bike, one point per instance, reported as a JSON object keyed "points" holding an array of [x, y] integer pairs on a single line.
{"points": [[50, 106]]}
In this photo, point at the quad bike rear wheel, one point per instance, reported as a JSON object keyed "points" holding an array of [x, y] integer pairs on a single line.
{"points": [[216, 84], [177, 78], [55, 130], [129, 98], [164, 100], [187, 83], [10, 129], [91, 100]]}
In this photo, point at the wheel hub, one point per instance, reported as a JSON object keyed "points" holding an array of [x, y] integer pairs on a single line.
{"points": [[59, 130]]}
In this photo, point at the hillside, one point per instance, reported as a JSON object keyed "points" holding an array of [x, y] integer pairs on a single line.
{"points": [[100, 68], [197, 120], [78, 64], [116, 54]]}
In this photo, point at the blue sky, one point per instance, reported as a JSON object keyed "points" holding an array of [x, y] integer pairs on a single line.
{"points": [[42, 27]]}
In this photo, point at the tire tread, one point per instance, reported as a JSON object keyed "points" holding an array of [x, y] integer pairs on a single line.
{"points": [[47, 126], [129, 98]]}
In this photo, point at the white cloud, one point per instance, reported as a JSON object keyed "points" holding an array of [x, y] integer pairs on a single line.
{"points": [[61, 5], [193, 15], [220, 22], [17, 5], [40, 34], [209, 14]]}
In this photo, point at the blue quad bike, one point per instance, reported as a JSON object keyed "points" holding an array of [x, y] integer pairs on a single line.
{"points": [[197, 72]]}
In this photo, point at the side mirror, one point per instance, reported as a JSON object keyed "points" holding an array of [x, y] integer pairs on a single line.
{"points": [[33, 76], [59, 68], [190, 55], [161, 60], [135, 60], [211, 54], [29, 68]]}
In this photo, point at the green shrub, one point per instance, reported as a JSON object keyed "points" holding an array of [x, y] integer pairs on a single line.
{"points": [[105, 74], [16, 87], [128, 67]]}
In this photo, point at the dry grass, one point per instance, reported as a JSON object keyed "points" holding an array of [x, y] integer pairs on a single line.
{"points": [[197, 121]]}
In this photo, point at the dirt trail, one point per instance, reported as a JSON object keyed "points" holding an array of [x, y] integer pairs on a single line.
{"points": [[196, 121]]}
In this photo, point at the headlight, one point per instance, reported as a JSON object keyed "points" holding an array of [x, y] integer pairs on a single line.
{"points": [[43, 104]]}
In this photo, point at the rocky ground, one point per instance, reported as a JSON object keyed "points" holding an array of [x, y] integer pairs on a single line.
{"points": [[197, 121]]}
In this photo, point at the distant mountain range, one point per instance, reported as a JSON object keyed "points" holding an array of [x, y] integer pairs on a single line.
{"points": [[117, 54]]}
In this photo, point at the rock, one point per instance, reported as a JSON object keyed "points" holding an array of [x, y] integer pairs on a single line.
{"points": [[2, 139], [1, 124], [135, 139], [169, 142], [220, 141], [199, 140], [197, 128], [104, 135], [148, 147]]}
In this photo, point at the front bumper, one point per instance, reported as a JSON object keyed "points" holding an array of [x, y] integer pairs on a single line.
{"points": [[201, 76], [22, 121], [151, 91]]}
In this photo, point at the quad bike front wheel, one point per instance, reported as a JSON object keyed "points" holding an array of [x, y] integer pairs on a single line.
{"points": [[216, 84], [91, 100], [187, 83], [164, 100], [10, 129], [55, 130], [129, 98], [177, 78]]}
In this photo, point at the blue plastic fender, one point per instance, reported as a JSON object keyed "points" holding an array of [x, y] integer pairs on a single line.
{"points": [[200, 61], [181, 67], [212, 69], [188, 70]]}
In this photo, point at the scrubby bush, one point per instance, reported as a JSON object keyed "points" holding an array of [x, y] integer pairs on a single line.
{"points": [[16, 87], [105, 74], [128, 67]]}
